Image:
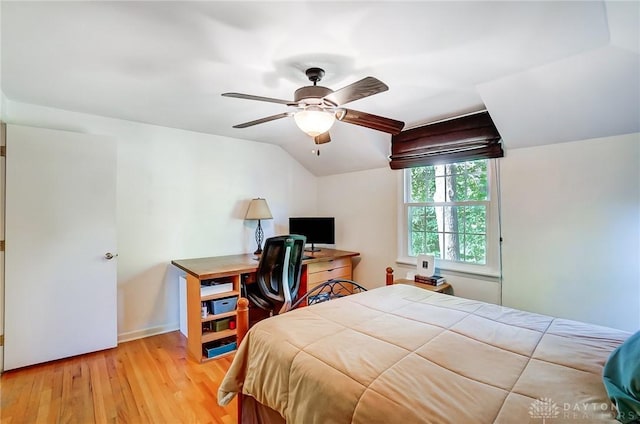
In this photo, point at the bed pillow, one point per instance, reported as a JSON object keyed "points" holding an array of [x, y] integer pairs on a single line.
{"points": [[621, 378]]}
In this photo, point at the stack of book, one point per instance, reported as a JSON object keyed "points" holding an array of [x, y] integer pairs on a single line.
{"points": [[434, 280]]}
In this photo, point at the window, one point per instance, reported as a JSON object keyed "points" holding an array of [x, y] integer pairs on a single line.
{"points": [[450, 211]]}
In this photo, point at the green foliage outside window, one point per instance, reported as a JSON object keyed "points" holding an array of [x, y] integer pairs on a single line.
{"points": [[447, 211]]}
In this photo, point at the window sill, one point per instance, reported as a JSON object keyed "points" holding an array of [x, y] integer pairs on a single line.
{"points": [[461, 269]]}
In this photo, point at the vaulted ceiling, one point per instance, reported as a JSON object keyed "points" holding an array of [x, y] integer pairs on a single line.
{"points": [[547, 72]]}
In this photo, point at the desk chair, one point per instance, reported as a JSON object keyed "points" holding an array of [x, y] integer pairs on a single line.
{"points": [[278, 275]]}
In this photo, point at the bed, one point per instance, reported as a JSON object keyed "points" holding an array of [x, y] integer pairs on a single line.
{"points": [[401, 354]]}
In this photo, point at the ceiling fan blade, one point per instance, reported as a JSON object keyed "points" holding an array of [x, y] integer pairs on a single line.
{"points": [[364, 88], [263, 120], [322, 138], [369, 120], [260, 98]]}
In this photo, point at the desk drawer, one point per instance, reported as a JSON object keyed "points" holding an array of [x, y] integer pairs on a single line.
{"points": [[328, 265], [317, 277], [321, 277]]}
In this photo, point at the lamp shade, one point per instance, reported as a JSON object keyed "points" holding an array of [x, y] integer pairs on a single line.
{"points": [[258, 209], [314, 121]]}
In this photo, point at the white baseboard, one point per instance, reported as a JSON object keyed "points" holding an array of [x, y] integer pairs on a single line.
{"points": [[152, 331]]}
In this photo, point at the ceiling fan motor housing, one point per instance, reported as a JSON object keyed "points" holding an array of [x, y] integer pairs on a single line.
{"points": [[311, 95]]}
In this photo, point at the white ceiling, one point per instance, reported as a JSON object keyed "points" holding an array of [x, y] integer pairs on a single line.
{"points": [[547, 72]]}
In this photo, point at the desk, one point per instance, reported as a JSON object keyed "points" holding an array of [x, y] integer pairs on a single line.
{"points": [[319, 267]]}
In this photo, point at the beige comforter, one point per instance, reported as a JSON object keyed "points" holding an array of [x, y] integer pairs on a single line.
{"points": [[400, 354]]}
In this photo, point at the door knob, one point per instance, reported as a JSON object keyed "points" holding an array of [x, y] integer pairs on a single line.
{"points": [[110, 255]]}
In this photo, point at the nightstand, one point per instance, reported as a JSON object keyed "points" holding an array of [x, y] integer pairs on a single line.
{"points": [[442, 288]]}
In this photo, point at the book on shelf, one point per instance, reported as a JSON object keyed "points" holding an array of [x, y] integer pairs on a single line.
{"points": [[434, 280]]}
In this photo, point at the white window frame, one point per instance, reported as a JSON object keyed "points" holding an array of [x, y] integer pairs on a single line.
{"points": [[492, 266]]}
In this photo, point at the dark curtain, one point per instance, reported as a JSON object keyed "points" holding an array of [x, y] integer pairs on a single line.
{"points": [[461, 139]]}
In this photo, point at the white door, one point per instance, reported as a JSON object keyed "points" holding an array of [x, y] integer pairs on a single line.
{"points": [[60, 289]]}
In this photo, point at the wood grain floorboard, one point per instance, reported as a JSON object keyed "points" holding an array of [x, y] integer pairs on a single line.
{"points": [[148, 380]]}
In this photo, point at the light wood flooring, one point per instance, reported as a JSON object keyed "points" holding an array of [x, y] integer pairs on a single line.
{"points": [[143, 381]]}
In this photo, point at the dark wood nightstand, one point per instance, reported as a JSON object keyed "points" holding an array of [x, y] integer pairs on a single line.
{"points": [[442, 288]]}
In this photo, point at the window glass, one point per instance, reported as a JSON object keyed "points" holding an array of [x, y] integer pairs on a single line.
{"points": [[446, 210]]}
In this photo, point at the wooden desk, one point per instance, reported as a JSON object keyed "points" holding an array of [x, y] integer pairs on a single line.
{"points": [[319, 267]]}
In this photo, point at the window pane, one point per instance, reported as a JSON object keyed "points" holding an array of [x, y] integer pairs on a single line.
{"points": [[474, 219], [460, 183], [431, 220], [450, 222], [439, 212], [455, 182], [417, 223], [431, 188], [417, 243], [477, 166], [456, 168], [477, 187], [433, 245], [425, 244], [475, 249], [418, 185], [417, 219], [423, 233], [438, 190], [452, 247]]}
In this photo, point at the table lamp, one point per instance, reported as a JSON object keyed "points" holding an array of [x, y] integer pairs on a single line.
{"points": [[258, 209]]}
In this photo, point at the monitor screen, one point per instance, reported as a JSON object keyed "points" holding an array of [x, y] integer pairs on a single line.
{"points": [[315, 229]]}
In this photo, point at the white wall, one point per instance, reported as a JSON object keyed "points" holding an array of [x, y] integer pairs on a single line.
{"points": [[571, 229], [570, 220], [180, 194], [363, 204]]}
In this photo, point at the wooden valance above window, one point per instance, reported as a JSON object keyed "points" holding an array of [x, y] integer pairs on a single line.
{"points": [[456, 140]]}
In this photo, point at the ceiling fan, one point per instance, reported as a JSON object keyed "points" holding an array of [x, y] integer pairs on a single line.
{"points": [[317, 107]]}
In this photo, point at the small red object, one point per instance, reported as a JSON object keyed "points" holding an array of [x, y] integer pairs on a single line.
{"points": [[232, 325]]}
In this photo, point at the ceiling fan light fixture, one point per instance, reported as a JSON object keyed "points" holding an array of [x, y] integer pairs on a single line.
{"points": [[314, 120]]}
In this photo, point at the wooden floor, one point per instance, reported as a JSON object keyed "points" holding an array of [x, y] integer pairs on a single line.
{"points": [[143, 381]]}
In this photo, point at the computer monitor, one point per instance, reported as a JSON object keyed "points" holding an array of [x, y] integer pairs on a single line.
{"points": [[315, 229]]}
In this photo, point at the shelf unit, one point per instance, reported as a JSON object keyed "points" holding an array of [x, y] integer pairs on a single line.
{"points": [[198, 336]]}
